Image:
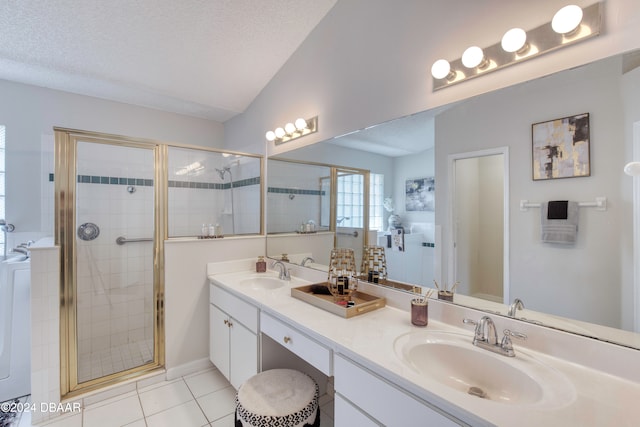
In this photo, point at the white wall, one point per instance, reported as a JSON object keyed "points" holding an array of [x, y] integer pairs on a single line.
{"points": [[419, 165], [30, 113], [187, 292], [368, 61], [584, 281]]}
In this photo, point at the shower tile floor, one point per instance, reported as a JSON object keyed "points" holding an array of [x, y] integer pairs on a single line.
{"points": [[114, 359], [202, 399]]}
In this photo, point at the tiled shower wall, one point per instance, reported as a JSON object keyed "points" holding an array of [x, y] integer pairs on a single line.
{"points": [[294, 195], [203, 197], [115, 282]]}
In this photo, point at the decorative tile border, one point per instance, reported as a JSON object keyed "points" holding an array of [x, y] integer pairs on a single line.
{"points": [[112, 180], [93, 179], [215, 185], [279, 190]]}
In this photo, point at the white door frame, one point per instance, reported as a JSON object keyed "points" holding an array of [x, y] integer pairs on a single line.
{"points": [[636, 231], [452, 197]]}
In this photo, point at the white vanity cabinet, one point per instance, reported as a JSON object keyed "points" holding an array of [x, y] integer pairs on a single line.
{"points": [[233, 336], [310, 350], [360, 391]]}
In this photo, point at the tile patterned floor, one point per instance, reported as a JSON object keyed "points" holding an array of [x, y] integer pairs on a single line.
{"points": [[202, 399], [115, 359]]}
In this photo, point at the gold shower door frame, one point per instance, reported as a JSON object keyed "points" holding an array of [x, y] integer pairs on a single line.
{"points": [[66, 142]]}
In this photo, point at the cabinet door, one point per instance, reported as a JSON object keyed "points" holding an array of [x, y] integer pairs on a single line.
{"points": [[375, 396], [347, 415], [244, 354], [219, 339]]}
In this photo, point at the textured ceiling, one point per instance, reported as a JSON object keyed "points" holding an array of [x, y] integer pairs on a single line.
{"points": [[206, 58], [400, 137]]}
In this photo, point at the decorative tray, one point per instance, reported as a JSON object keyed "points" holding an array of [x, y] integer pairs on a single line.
{"points": [[391, 284], [364, 303]]}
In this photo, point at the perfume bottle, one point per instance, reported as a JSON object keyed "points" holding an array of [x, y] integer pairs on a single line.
{"points": [[261, 265]]}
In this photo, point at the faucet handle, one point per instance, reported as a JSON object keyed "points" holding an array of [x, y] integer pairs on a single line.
{"points": [[515, 334], [506, 344], [478, 332], [468, 321]]}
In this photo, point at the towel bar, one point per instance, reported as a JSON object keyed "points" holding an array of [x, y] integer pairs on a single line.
{"points": [[600, 204]]}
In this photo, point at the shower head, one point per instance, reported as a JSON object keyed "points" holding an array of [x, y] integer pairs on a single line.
{"points": [[223, 171]]}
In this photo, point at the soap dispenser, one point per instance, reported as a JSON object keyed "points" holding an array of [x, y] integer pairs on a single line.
{"points": [[261, 265]]}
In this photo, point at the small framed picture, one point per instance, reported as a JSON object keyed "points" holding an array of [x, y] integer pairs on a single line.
{"points": [[561, 148], [420, 194]]}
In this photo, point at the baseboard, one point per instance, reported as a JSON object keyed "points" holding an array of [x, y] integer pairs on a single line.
{"points": [[188, 368]]}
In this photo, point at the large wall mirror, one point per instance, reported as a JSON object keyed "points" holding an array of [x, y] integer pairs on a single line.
{"points": [[587, 287], [312, 208]]}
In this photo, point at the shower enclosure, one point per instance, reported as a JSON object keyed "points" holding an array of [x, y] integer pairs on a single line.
{"points": [[110, 227], [117, 200], [209, 188]]}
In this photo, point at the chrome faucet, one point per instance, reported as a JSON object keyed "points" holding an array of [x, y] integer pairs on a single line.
{"points": [[486, 337], [515, 306], [304, 261], [284, 271]]}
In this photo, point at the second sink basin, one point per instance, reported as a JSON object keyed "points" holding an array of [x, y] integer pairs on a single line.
{"points": [[263, 282], [451, 360]]}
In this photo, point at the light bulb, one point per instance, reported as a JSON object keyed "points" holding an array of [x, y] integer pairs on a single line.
{"points": [[567, 19], [473, 57], [514, 40], [280, 133], [270, 135], [301, 124], [440, 69], [632, 169], [289, 128]]}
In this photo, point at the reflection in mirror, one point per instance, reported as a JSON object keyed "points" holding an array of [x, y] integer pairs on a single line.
{"points": [[352, 210], [213, 193], [587, 288], [389, 174], [298, 213], [477, 219]]}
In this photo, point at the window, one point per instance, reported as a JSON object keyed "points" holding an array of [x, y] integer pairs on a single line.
{"points": [[376, 199], [350, 199], [2, 185], [350, 208]]}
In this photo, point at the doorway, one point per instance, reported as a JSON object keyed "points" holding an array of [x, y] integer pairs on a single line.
{"points": [[479, 224], [110, 227]]}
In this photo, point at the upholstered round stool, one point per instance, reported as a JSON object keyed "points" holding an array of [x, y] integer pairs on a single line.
{"points": [[278, 397]]}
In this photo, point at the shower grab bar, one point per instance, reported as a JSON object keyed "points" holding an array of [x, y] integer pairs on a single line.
{"points": [[354, 234], [122, 240]]}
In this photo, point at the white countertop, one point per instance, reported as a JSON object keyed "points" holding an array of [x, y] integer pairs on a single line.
{"points": [[599, 399]]}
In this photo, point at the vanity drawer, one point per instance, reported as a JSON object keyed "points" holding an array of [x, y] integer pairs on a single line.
{"points": [[374, 396], [298, 343], [235, 307]]}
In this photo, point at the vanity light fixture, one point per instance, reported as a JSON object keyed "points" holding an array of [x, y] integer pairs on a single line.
{"points": [[474, 57], [632, 169], [190, 169], [300, 127], [567, 20], [515, 41], [571, 24], [441, 69]]}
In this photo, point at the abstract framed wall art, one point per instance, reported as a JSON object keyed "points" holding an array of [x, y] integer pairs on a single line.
{"points": [[561, 148], [420, 194]]}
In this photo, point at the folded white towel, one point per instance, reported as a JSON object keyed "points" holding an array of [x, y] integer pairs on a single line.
{"points": [[559, 230]]}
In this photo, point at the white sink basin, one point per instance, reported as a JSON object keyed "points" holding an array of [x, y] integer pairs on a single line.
{"points": [[451, 360], [263, 282]]}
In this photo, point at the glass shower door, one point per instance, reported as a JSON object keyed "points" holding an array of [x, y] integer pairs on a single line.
{"points": [[114, 261]]}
